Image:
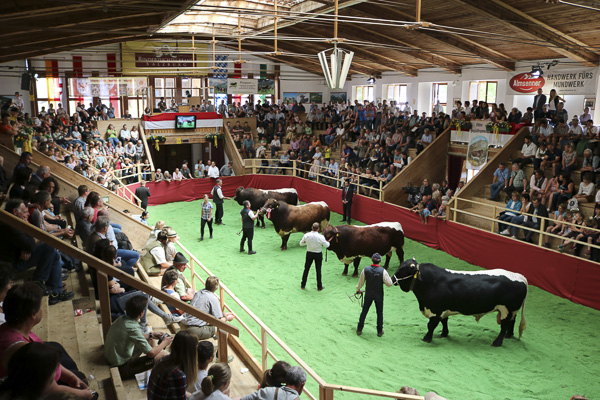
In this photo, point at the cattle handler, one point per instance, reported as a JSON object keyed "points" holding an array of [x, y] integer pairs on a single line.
{"points": [[248, 218], [375, 276]]}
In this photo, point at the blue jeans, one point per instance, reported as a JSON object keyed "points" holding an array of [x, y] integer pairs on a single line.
{"points": [[114, 141], [116, 227], [519, 219], [495, 189], [153, 307], [504, 218], [48, 265], [128, 260]]}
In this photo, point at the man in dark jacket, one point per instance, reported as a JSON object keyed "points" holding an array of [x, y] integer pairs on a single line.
{"points": [[534, 222], [143, 193], [375, 276], [347, 195], [248, 218]]}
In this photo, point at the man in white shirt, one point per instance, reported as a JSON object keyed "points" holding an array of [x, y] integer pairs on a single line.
{"points": [[18, 101], [314, 243], [61, 110], [213, 171]]}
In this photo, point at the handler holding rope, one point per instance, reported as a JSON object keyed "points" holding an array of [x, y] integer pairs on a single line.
{"points": [[375, 276]]}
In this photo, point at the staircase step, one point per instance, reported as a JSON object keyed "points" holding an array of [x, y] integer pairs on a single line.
{"points": [[62, 329]]}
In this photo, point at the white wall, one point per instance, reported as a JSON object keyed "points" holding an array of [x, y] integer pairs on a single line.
{"points": [[10, 81]]}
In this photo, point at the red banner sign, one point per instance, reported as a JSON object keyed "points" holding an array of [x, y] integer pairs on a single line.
{"points": [[526, 83]]}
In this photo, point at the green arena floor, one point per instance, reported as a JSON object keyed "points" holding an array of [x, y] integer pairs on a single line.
{"points": [[558, 355]]}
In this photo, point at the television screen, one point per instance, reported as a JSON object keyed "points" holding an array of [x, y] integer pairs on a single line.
{"points": [[185, 122]]}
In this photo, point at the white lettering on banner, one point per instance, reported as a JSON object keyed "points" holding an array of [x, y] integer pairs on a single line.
{"points": [[577, 82]]}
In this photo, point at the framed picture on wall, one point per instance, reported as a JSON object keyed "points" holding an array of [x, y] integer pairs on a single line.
{"points": [[338, 97], [589, 102], [316, 98]]}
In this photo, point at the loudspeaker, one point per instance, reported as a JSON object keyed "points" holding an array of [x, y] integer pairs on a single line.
{"points": [[25, 81]]}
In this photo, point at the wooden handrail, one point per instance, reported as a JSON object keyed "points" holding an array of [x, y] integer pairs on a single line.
{"points": [[256, 319], [233, 153], [105, 268], [371, 392]]}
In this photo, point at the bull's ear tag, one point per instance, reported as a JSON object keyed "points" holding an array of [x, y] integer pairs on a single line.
{"points": [[416, 274]]}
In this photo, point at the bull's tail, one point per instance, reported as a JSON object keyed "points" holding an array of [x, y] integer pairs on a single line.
{"points": [[522, 324]]}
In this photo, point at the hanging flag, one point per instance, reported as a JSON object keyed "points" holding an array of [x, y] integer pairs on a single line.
{"points": [[51, 68], [111, 64], [237, 70], [263, 71], [221, 64], [77, 66]]}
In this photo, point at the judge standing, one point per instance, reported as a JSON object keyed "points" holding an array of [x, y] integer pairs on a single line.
{"points": [[143, 193], [347, 194], [375, 276], [248, 218], [217, 194], [314, 243], [538, 105]]}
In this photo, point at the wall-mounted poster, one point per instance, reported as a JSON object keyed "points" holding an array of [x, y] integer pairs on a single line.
{"points": [[266, 86], [242, 86], [316, 97], [338, 97], [566, 81], [219, 84], [477, 153], [299, 97]]}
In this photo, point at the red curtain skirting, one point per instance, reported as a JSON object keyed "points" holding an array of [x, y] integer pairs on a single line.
{"points": [[575, 279]]}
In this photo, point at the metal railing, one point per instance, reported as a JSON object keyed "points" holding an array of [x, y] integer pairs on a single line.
{"points": [[454, 211], [301, 169], [267, 336]]}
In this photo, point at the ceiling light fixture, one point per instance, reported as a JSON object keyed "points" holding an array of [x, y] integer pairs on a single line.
{"points": [[371, 80], [340, 60]]}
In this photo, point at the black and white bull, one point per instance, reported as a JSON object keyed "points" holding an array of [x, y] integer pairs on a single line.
{"points": [[288, 219], [442, 292], [351, 242], [258, 197]]}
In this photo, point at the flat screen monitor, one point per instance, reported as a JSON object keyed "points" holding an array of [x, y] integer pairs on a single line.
{"points": [[185, 122]]}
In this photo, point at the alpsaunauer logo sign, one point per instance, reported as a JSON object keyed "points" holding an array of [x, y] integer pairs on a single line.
{"points": [[526, 83]]}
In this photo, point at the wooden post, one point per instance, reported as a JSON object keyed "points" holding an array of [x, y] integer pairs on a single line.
{"points": [[325, 393], [193, 275], [104, 296], [494, 216], [222, 344], [253, 166], [263, 345], [542, 229], [221, 298]]}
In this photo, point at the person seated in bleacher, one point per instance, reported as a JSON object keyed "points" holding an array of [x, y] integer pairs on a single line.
{"points": [[56, 227], [175, 373], [205, 300], [206, 355], [22, 252], [167, 285], [21, 179], [511, 210], [587, 189], [31, 372], [23, 310], [295, 380], [154, 260], [125, 342], [517, 181], [216, 385], [275, 376], [183, 290], [84, 226]]}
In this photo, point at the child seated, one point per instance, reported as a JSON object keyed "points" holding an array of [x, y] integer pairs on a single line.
{"points": [[169, 280]]}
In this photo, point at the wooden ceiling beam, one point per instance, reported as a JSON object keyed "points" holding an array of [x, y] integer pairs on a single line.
{"points": [[435, 59], [471, 47], [68, 45], [357, 67], [363, 53], [19, 29], [292, 48], [563, 43]]}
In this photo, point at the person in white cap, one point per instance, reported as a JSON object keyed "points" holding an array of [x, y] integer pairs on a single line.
{"points": [[375, 276]]}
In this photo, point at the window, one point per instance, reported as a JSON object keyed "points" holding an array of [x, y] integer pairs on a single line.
{"points": [[48, 91], [397, 93], [362, 93], [164, 87], [193, 85], [483, 91], [440, 93]]}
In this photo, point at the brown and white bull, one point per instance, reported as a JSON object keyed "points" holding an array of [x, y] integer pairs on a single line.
{"points": [[258, 197], [351, 242], [288, 219]]}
